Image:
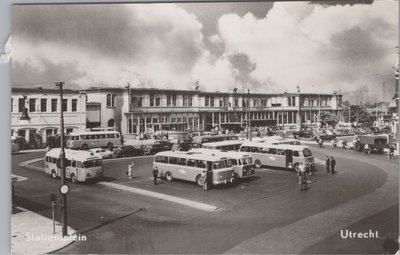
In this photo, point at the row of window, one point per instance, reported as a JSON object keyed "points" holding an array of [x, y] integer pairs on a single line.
{"points": [[42, 106], [111, 102], [189, 162], [73, 163], [95, 136], [272, 151]]}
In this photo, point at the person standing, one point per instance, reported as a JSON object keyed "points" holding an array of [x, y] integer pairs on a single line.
{"points": [[204, 180], [130, 170], [302, 177], [333, 164], [391, 151], [328, 164], [155, 175]]}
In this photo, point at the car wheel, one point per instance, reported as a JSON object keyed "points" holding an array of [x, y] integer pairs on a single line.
{"points": [[54, 174], [84, 146], [73, 178], [257, 163], [199, 181], [168, 176]]}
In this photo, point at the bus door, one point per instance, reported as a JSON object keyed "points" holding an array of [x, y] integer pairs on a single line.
{"points": [[289, 158]]}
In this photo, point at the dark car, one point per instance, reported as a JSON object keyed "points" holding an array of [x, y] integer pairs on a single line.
{"points": [[158, 146], [304, 133], [126, 151]]}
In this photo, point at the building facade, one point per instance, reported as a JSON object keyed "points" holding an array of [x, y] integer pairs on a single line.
{"points": [[43, 108]]}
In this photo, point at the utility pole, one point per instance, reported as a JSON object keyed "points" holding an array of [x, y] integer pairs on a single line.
{"points": [[62, 164], [248, 107]]}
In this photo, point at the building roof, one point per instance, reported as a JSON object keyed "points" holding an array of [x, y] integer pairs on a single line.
{"points": [[44, 90]]}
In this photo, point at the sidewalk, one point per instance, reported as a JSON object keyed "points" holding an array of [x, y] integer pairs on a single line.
{"points": [[32, 233]]}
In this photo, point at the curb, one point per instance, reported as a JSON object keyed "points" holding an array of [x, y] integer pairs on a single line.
{"points": [[161, 196], [26, 164]]}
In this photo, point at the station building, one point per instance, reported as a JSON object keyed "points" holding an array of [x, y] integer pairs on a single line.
{"points": [[146, 110]]}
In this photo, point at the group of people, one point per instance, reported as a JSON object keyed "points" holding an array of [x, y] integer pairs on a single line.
{"points": [[330, 165], [130, 173]]}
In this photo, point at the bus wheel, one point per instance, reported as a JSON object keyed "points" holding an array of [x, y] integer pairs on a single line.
{"points": [[53, 174], [257, 163], [198, 180], [84, 146], [73, 178], [296, 167], [168, 176]]}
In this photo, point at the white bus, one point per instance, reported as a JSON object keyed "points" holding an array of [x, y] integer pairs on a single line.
{"points": [[242, 163], [93, 139], [232, 145], [189, 166], [80, 166], [279, 155], [284, 141]]}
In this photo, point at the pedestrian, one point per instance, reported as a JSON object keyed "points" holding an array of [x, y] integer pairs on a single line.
{"points": [[130, 170], [367, 149], [391, 152], [204, 180], [302, 177], [155, 175], [333, 164], [328, 164]]}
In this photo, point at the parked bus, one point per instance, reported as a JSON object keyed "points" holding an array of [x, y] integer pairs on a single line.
{"points": [[93, 139], [279, 155], [80, 166], [189, 166], [284, 141], [242, 163], [200, 140], [231, 145]]}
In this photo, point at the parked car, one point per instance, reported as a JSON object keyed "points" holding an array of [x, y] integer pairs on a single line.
{"points": [[304, 133], [127, 151], [324, 136], [157, 146], [101, 152]]}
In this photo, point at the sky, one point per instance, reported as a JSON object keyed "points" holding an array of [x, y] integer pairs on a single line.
{"points": [[264, 47]]}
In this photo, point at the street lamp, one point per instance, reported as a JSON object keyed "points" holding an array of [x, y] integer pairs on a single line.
{"points": [[62, 165]]}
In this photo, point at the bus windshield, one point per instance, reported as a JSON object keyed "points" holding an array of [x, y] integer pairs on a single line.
{"points": [[247, 161], [307, 153], [92, 163], [219, 165]]}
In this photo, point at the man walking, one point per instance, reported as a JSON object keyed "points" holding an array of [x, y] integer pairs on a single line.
{"points": [[130, 170], [155, 175], [333, 164], [328, 164]]}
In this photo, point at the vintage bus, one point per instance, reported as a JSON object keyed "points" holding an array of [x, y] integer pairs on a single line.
{"points": [[284, 141], [80, 166], [242, 163], [189, 166], [231, 145], [279, 155], [93, 139], [200, 140]]}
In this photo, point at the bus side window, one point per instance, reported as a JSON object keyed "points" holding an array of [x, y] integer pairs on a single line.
{"points": [[235, 162], [87, 137], [163, 159], [112, 135], [117, 135], [200, 164], [280, 152], [54, 160], [191, 162], [182, 161], [67, 162], [264, 150], [73, 163], [272, 151], [296, 154], [102, 136], [172, 160], [255, 149]]}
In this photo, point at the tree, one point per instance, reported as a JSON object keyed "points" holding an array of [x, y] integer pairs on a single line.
{"points": [[328, 118]]}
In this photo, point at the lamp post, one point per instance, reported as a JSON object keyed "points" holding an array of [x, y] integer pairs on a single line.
{"points": [[299, 108], [62, 165]]}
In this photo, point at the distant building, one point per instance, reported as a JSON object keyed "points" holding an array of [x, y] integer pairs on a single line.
{"points": [[43, 108]]}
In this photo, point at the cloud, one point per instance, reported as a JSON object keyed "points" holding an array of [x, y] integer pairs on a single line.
{"points": [[329, 47]]}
